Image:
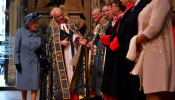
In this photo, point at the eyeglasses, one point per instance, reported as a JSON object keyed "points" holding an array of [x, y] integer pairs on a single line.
{"points": [[113, 6], [104, 11], [59, 15]]}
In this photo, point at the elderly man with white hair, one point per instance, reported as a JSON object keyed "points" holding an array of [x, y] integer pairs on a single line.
{"points": [[62, 41]]}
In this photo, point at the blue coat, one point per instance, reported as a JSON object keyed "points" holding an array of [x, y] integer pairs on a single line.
{"points": [[24, 53]]}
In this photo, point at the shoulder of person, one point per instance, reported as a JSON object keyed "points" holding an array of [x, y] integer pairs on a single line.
{"points": [[20, 30]]}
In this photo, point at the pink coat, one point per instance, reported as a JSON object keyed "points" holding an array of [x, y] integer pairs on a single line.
{"points": [[159, 58]]}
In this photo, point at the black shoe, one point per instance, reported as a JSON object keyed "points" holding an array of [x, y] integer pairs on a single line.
{"points": [[97, 98]]}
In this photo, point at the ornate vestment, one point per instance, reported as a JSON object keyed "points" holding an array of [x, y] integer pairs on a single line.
{"points": [[79, 80], [55, 84], [97, 59]]}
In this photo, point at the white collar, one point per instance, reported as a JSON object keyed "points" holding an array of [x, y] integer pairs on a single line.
{"points": [[120, 15], [64, 27], [137, 2]]}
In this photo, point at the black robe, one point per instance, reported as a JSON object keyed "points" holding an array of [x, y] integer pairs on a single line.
{"points": [[124, 86], [109, 59]]}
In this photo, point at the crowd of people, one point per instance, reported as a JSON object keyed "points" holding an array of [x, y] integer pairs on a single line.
{"points": [[77, 68]]}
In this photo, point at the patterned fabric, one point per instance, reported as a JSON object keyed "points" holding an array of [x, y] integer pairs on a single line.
{"points": [[54, 84], [78, 84], [97, 59], [92, 77]]}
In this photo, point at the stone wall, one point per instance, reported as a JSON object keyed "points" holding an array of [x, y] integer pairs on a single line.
{"points": [[14, 24], [173, 4]]}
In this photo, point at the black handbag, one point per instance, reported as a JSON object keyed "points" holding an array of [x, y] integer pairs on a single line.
{"points": [[44, 64]]}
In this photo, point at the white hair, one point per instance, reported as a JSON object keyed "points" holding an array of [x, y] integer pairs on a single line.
{"points": [[98, 9], [54, 9]]}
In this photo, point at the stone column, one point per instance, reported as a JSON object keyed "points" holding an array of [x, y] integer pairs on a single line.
{"points": [[87, 14], [31, 6], [74, 10], [173, 3], [13, 26], [74, 6], [42, 3]]}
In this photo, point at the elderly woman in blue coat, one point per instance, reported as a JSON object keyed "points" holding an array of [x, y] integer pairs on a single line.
{"points": [[27, 41]]}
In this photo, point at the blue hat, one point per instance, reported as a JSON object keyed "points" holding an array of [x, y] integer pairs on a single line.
{"points": [[31, 17]]}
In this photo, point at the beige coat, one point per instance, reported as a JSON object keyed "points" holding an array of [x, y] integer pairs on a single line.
{"points": [[159, 59]]}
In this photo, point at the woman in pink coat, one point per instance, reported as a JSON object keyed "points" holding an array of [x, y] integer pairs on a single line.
{"points": [[155, 31]]}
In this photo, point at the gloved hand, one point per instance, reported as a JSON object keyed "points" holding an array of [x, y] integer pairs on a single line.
{"points": [[18, 67], [38, 51], [44, 63]]}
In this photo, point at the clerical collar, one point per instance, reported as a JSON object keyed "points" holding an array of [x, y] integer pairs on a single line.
{"points": [[99, 21], [120, 15], [137, 2], [64, 22]]}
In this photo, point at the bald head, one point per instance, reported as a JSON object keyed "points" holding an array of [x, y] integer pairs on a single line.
{"points": [[55, 10], [96, 10], [58, 15]]}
